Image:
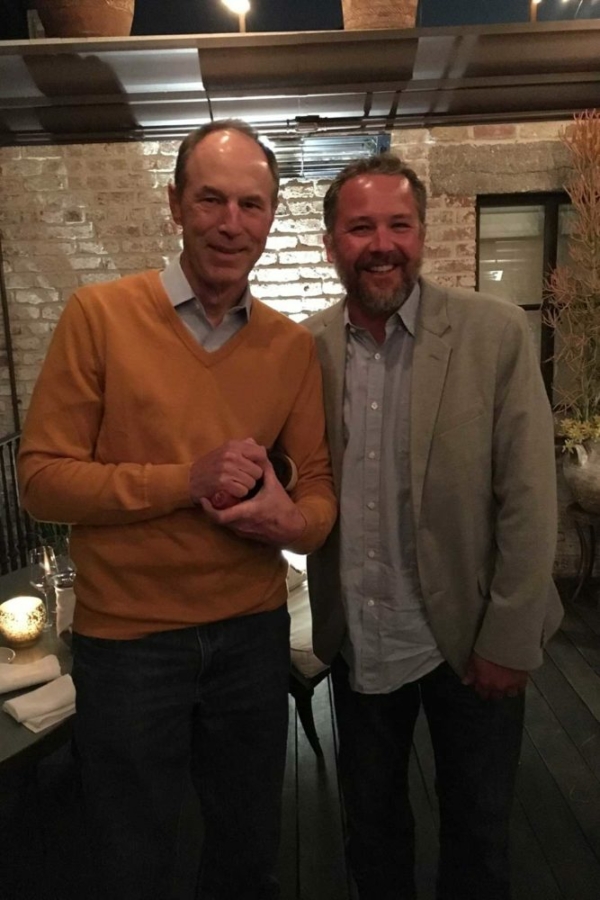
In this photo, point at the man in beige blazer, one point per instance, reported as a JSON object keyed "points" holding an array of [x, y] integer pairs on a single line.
{"points": [[435, 587]]}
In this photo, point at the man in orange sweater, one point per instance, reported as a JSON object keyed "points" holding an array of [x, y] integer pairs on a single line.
{"points": [[159, 391]]}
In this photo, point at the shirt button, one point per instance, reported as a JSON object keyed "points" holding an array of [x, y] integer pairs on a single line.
{"points": [[372, 454], [374, 405], [377, 356], [371, 554], [371, 504], [370, 602]]}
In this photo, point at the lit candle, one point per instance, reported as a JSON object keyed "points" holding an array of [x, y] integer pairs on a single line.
{"points": [[22, 620]]}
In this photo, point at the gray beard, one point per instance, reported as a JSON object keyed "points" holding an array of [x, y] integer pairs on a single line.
{"points": [[381, 302]]}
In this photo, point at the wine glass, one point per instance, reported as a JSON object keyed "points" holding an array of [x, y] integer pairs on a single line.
{"points": [[42, 564]]}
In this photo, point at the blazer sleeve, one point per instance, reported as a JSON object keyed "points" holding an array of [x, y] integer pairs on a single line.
{"points": [[524, 491]]}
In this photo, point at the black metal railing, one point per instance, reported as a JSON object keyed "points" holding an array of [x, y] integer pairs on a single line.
{"points": [[14, 521]]}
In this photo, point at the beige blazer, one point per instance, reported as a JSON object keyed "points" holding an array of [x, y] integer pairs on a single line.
{"points": [[483, 481]]}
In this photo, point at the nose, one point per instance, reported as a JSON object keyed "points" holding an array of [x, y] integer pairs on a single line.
{"points": [[230, 220], [382, 239]]}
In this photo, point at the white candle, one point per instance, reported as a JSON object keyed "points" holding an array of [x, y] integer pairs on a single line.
{"points": [[22, 620]]}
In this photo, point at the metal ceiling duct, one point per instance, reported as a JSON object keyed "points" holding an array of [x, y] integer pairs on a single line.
{"points": [[295, 84]]}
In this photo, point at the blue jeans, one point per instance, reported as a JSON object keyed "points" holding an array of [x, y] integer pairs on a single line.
{"points": [[207, 703], [476, 745]]}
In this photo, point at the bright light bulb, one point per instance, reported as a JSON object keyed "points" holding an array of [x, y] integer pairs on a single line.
{"points": [[239, 7]]}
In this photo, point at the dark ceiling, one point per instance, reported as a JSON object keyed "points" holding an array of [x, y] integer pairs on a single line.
{"points": [[296, 83]]}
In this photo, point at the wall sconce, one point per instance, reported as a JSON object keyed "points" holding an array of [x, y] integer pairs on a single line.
{"points": [[22, 620], [240, 8]]}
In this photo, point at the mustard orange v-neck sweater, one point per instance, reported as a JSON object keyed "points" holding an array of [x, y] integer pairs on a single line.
{"points": [[125, 401]]}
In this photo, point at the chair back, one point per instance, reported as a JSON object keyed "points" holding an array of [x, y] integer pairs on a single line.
{"points": [[17, 529]]}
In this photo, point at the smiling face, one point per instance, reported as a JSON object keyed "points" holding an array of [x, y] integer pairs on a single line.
{"points": [[376, 243], [225, 210]]}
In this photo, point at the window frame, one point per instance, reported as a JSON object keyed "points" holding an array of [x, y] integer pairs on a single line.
{"points": [[551, 203]]}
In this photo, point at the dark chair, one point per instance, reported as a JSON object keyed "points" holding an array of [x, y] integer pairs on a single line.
{"points": [[15, 524], [19, 533], [307, 670]]}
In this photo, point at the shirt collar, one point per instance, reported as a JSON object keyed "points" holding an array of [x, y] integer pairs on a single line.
{"points": [[407, 314], [178, 288]]}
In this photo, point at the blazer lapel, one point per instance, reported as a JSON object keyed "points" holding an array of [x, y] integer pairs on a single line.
{"points": [[430, 364], [331, 346]]}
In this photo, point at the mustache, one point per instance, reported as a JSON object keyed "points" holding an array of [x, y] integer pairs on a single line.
{"points": [[392, 258]]}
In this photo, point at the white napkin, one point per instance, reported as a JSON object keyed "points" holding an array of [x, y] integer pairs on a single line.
{"points": [[17, 676], [45, 706], [65, 607], [295, 577]]}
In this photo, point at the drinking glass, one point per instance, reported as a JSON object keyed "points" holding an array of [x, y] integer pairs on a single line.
{"points": [[64, 563], [42, 564]]}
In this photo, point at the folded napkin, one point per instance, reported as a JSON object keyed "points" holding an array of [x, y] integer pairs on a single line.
{"points": [[65, 607], [45, 706], [17, 676]]}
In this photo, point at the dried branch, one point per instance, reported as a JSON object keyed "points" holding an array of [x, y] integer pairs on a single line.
{"points": [[573, 291]]}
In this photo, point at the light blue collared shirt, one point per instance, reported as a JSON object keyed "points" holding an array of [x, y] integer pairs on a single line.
{"points": [[190, 310], [389, 640]]}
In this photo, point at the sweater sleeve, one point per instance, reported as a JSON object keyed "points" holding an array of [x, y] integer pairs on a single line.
{"points": [[303, 439], [61, 477]]}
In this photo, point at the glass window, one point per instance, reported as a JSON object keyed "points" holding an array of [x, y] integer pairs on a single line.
{"points": [[511, 258], [521, 237]]}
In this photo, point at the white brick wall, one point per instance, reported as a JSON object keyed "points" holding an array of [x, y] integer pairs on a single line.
{"points": [[76, 214]]}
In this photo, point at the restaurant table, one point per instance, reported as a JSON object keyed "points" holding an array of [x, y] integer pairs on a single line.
{"points": [[18, 745]]}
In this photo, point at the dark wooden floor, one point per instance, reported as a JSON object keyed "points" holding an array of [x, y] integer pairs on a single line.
{"points": [[556, 821]]}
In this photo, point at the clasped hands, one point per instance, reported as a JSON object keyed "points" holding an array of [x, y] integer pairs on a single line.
{"points": [[233, 469]]}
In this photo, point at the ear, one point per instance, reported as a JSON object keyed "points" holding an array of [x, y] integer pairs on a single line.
{"points": [[174, 204], [328, 244]]}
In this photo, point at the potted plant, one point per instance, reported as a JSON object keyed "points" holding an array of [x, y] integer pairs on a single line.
{"points": [[86, 18], [365, 14], [573, 311]]}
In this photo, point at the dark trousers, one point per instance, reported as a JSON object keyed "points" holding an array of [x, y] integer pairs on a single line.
{"points": [[207, 703], [476, 745]]}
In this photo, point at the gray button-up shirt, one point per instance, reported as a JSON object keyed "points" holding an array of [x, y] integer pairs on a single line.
{"points": [[190, 310], [389, 639]]}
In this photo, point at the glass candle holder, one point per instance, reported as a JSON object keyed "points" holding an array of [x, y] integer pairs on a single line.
{"points": [[22, 620]]}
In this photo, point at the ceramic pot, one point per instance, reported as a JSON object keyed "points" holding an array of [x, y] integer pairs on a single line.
{"points": [[367, 14], [86, 18], [581, 469]]}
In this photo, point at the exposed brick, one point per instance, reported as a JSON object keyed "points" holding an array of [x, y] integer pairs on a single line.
{"points": [[300, 226], [282, 242], [309, 272], [495, 132], [287, 290], [300, 257], [45, 152], [276, 275], [457, 134], [532, 130], [88, 213], [332, 288], [313, 240]]}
